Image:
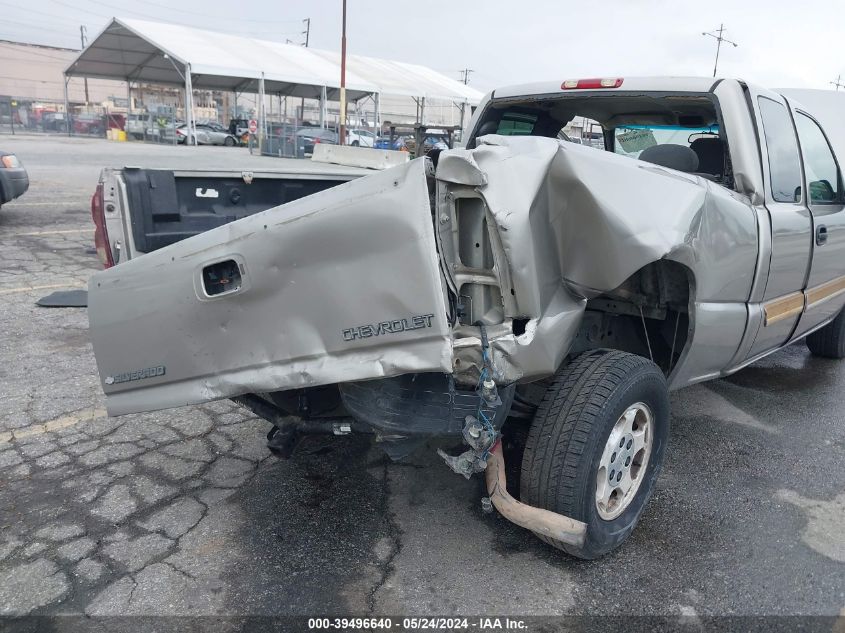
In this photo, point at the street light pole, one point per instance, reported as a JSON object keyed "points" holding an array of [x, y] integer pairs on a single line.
{"points": [[82, 31], [342, 140], [718, 35], [307, 34]]}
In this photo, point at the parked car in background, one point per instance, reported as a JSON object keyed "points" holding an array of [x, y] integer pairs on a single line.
{"points": [[54, 122], [362, 138], [397, 143], [307, 138], [92, 124], [14, 181], [208, 134], [429, 143], [136, 124], [238, 127]]}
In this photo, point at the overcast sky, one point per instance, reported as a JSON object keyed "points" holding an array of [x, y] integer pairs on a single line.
{"points": [[781, 43]]}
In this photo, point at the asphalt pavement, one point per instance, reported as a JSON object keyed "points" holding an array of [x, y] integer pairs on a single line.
{"points": [[184, 512]]}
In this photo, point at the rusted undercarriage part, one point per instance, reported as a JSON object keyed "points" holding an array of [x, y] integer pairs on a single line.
{"points": [[288, 429], [541, 522], [647, 315]]}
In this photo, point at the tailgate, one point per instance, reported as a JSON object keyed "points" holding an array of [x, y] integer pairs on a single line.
{"points": [[339, 286]]}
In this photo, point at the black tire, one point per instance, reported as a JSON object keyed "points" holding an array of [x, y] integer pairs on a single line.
{"points": [[568, 436], [829, 341], [355, 143], [229, 142]]}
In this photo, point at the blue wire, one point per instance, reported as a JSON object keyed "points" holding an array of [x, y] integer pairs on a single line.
{"points": [[479, 413]]}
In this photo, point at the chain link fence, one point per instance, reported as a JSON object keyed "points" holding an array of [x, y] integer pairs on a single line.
{"points": [[289, 140], [282, 138], [18, 116]]}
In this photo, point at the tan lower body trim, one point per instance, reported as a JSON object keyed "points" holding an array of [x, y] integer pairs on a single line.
{"points": [[823, 292], [797, 302], [783, 307]]}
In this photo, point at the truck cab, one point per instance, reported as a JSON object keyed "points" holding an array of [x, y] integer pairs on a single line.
{"points": [[765, 146]]}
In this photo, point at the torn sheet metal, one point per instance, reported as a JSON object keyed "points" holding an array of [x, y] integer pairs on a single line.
{"points": [[571, 222], [339, 286]]}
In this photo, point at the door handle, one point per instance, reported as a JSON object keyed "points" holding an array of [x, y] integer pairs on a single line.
{"points": [[821, 235]]}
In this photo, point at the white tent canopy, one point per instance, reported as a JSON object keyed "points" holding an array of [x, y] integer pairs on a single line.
{"points": [[407, 80], [156, 52]]}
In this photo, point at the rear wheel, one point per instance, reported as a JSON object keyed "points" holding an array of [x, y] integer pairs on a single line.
{"points": [[229, 142], [355, 143], [829, 341], [596, 445]]}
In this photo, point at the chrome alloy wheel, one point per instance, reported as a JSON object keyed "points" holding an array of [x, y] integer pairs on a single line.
{"points": [[624, 461]]}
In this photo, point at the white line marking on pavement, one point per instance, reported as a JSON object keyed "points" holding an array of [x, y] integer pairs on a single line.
{"points": [[47, 287], [12, 205], [53, 425], [62, 232]]}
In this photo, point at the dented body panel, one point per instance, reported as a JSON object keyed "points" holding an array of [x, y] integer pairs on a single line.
{"points": [[571, 224], [337, 286]]}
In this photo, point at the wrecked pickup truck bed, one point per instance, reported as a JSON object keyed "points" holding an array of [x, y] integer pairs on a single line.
{"points": [[523, 286]]}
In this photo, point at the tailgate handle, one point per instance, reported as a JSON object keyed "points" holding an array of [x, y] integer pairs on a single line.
{"points": [[821, 235], [221, 278]]}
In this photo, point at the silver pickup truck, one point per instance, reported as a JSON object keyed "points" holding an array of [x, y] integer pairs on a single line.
{"points": [[523, 287]]}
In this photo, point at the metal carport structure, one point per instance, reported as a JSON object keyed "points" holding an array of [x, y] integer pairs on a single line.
{"points": [[155, 52], [162, 53], [407, 80]]}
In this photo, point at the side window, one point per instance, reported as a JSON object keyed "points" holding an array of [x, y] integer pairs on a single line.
{"points": [[784, 165], [513, 124], [819, 162]]}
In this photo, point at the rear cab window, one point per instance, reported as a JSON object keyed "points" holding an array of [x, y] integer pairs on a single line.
{"points": [[624, 122], [632, 140], [517, 124]]}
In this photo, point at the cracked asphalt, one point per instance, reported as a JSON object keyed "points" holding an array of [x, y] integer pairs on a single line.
{"points": [[184, 512]]}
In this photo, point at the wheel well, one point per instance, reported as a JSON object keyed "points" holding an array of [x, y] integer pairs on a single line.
{"points": [[648, 314]]}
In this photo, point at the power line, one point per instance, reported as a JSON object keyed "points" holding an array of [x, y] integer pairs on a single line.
{"points": [[120, 11], [39, 27], [719, 39], [222, 17], [838, 83], [44, 13]]}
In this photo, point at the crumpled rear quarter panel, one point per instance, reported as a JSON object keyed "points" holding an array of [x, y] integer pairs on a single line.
{"points": [[358, 254], [574, 217]]}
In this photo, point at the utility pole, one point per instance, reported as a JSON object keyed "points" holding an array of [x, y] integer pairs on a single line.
{"points": [[307, 34], [719, 39], [82, 31], [342, 140], [465, 79], [838, 83]]}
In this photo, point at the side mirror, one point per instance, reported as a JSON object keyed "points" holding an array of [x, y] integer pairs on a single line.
{"points": [[822, 191]]}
